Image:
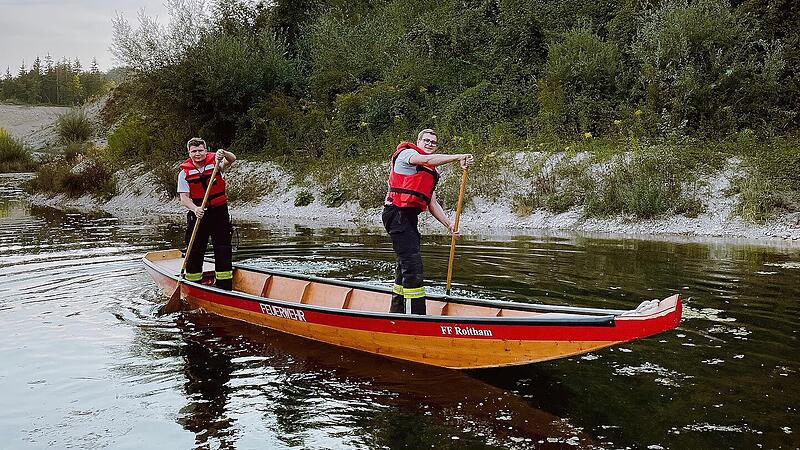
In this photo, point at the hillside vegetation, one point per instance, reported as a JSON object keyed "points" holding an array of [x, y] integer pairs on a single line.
{"points": [[657, 94]]}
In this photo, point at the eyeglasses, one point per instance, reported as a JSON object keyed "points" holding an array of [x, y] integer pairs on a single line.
{"points": [[430, 142]]}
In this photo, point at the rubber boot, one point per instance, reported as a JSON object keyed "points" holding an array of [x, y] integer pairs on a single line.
{"points": [[398, 304], [418, 306], [225, 284]]}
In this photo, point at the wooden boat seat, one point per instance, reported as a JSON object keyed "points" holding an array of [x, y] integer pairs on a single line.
{"points": [[434, 307], [516, 313], [252, 283], [369, 301], [327, 295], [457, 309], [287, 289]]}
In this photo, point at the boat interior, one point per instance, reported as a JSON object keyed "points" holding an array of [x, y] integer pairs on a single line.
{"points": [[344, 297], [335, 296]]}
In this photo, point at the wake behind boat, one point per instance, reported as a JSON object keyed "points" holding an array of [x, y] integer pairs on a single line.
{"points": [[456, 332]]}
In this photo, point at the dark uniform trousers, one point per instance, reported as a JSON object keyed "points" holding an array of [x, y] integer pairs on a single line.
{"points": [[401, 224], [216, 224]]}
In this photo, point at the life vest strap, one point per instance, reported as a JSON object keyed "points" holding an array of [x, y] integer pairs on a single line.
{"points": [[410, 192]]}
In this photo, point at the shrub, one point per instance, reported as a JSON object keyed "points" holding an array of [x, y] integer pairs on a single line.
{"points": [[282, 126], [369, 187], [703, 68], [92, 176], [74, 126], [638, 184], [334, 196], [558, 187], [578, 88], [14, 157], [132, 140], [304, 198], [244, 186], [165, 178], [771, 179]]}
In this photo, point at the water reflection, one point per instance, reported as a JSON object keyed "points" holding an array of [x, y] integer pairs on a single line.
{"points": [[86, 361], [320, 396]]}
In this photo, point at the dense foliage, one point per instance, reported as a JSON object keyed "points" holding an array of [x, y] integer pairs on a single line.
{"points": [[328, 80], [299, 77], [47, 82]]}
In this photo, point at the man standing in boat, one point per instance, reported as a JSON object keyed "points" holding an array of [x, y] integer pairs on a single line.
{"points": [[193, 180], [412, 180]]}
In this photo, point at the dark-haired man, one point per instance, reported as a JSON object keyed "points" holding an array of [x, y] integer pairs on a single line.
{"points": [[412, 180], [193, 180]]}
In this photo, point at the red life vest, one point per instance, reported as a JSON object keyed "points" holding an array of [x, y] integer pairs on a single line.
{"points": [[198, 182], [411, 190]]}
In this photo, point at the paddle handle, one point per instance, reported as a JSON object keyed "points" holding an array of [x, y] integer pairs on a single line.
{"points": [[197, 222], [455, 229]]}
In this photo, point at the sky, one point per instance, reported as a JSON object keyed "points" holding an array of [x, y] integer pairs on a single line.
{"points": [[65, 28]]}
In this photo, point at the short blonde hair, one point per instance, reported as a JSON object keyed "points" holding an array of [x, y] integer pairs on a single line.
{"points": [[426, 131]]}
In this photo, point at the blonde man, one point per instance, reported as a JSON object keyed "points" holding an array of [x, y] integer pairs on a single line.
{"points": [[412, 181]]}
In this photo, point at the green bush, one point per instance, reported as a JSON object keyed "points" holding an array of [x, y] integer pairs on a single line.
{"points": [[334, 196], [91, 176], [771, 178], [14, 157], [578, 91], [304, 198], [165, 177], [369, 185], [74, 126], [647, 183], [703, 68], [248, 187], [131, 141], [558, 188], [283, 126]]}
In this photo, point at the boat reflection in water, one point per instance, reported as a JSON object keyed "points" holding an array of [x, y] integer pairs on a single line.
{"points": [[315, 395]]}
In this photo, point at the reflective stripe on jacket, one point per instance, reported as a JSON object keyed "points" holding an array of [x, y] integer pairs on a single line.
{"points": [[411, 190], [198, 182]]}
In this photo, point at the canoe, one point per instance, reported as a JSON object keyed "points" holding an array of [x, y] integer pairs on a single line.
{"points": [[456, 332]]}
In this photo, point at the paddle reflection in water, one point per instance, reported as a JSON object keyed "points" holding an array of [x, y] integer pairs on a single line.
{"points": [[241, 380]]}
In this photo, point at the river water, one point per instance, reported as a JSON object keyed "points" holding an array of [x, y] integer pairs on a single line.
{"points": [[87, 362]]}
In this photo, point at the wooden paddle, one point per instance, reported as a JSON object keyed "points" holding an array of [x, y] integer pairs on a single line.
{"points": [[455, 229], [174, 302]]}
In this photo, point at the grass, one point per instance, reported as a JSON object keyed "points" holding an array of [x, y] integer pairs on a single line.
{"points": [[247, 187], [771, 177], [92, 176], [14, 157], [74, 126]]}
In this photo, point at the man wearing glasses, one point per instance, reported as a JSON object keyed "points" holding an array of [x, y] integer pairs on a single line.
{"points": [[193, 180], [412, 180]]}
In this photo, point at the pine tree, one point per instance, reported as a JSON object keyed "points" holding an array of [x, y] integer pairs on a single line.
{"points": [[33, 88]]}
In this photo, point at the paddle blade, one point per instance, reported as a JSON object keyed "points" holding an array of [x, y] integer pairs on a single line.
{"points": [[174, 303]]}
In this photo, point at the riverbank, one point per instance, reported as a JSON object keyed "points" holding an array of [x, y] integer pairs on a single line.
{"points": [[138, 194], [141, 197]]}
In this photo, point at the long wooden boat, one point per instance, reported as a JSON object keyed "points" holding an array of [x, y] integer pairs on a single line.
{"points": [[456, 332]]}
